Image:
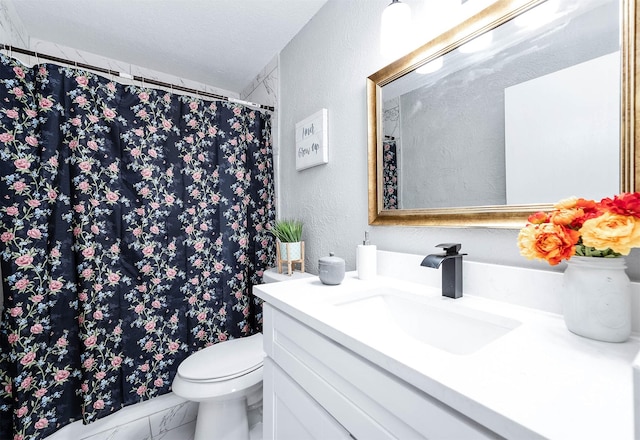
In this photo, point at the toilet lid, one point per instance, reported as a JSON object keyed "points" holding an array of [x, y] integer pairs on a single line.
{"points": [[224, 360]]}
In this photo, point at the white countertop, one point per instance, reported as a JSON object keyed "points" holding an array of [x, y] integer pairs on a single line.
{"points": [[539, 380], [272, 275]]}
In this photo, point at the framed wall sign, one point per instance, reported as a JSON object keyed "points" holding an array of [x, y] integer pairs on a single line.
{"points": [[311, 141]]}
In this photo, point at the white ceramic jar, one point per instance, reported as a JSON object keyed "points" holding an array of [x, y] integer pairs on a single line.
{"points": [[331, 269]]}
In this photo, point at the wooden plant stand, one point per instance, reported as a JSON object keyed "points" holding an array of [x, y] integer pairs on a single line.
{"points": [[290, 263]]}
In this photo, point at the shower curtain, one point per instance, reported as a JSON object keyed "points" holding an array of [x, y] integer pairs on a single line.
{"points": [[389, 174], [133, 223]]}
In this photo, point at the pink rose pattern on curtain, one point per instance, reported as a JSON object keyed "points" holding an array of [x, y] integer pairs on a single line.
{"points": [[132, 227], [389, 175]]}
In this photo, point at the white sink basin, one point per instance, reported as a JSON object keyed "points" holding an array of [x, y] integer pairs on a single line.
{"points": [[442, 323]]}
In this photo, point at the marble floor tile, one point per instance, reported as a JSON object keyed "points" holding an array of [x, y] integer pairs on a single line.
{"points": [[137, 430], [173, 417], [184, 432]]}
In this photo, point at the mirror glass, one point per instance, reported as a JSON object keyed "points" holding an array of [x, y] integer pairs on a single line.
{"points": [[519, 113]]}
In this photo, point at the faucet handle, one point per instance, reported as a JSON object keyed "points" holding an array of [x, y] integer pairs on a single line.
{"points": [[450, 248]]}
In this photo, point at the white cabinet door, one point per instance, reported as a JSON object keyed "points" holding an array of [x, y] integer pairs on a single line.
{"points": [[291, 414], [361, 396]]}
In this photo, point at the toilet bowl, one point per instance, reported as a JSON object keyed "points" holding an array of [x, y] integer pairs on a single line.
{"points": [[225, 378]]}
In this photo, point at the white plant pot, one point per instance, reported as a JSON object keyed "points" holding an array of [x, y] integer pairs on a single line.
{"points": [[291, 251]]}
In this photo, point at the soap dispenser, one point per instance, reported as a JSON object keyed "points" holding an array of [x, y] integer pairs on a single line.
{"points": [[366, 263]]}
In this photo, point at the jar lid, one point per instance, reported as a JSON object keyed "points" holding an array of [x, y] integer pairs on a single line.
{"points": [[331, 260]]}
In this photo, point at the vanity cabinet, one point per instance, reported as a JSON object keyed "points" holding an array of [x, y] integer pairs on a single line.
{"points": [[315, 388], [293, 414]]}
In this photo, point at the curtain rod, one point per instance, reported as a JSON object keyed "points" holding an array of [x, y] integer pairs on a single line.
{"points": [[133, 77]]}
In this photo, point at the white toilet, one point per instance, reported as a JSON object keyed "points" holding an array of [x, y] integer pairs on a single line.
{"points": [[226, 378]]}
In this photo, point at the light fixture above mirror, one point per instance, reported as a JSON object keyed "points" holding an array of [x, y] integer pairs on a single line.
{"points": [[504, 17], [395, 29]]}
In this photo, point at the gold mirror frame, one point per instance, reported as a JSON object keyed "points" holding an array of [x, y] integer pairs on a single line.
{"points": [[504, 216]]}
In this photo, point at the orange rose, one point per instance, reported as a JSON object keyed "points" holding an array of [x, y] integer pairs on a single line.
{"points": [[566, 217], [568, 203], [538, 218], [612, 231], [586, 205], [574, 212], [547, 241]]}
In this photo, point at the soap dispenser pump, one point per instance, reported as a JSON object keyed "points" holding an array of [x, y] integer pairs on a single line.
{"points": [[366, 263]]}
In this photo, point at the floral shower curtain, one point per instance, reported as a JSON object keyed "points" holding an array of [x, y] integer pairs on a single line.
{"points": [[389, 174], [132, 227]]}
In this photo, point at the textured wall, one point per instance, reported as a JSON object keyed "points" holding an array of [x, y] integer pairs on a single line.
{"points": [[326, 65], [457, 124]]}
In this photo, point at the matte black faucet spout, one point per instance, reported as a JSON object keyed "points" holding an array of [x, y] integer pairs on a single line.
{"points": [[451, 262]]}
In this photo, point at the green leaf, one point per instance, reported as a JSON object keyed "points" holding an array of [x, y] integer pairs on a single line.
{"points": [[587, 251], [287, 231]]}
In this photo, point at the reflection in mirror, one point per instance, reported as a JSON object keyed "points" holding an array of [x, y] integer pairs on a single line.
{"points": [[525, 113]]}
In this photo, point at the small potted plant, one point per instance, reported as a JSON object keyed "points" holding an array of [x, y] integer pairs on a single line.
{"points": [[290, 247]]}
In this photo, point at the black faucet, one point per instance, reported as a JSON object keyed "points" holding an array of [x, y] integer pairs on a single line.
{"points": [[451, 262]]}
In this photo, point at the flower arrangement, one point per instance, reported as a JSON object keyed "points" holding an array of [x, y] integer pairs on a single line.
{"points": [[576, 226]]}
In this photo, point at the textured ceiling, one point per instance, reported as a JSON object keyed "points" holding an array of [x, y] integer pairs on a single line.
{"points": [[224, 43]]}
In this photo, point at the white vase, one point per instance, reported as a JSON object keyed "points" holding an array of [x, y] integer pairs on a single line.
{"points": [[596, 298]]}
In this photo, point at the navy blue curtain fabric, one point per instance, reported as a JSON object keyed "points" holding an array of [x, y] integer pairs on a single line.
{"points": [[389, 174], [133, 223]]}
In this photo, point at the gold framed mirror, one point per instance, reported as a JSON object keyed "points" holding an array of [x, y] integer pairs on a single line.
{"points": [[509, 205]]}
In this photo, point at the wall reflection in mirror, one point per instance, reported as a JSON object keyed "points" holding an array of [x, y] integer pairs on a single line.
{"points": [[527, 113]]}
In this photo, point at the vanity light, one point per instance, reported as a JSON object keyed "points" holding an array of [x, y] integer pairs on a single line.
{"points": [[395, 35], [431, 66], [479, 43]]}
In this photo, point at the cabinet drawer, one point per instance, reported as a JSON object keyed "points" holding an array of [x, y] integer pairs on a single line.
{"points": [[291, 414], [365, 399]]}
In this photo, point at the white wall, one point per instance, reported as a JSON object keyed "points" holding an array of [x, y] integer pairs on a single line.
{"points": [[571, 115], [325, 66], [265, 89], [12, 31]]}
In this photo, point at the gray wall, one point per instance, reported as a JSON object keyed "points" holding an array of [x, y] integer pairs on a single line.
{"points": [[325, 66], [453, 131]]}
